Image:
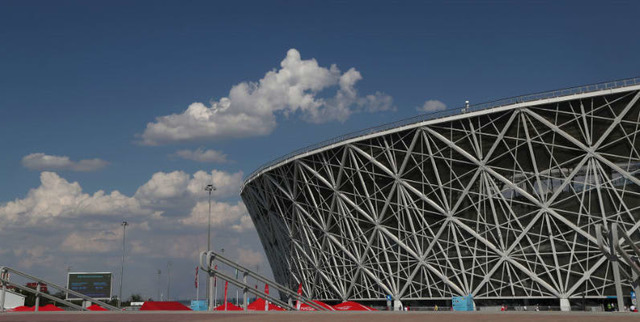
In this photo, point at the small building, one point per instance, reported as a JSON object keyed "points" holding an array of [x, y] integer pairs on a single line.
{"points": [[13, 300]]}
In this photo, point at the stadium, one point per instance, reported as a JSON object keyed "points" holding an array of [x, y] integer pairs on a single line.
{"points": [[498, 201]]}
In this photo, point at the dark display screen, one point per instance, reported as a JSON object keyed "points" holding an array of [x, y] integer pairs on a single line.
{"points": [[95, 285]]}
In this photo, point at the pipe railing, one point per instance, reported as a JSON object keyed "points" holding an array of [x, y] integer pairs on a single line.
{"points": [[207, 258], [610, 242], [6, 282]]}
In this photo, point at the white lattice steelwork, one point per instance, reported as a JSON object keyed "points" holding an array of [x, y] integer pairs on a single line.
{"points": [[500, 203]]}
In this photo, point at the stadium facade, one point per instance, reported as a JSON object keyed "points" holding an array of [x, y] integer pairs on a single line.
{"points": [[498, 201]]}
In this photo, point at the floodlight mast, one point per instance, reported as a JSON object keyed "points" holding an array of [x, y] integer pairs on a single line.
{"points": [[209, 188], [159, 297], [169, 280], [124, 229]]}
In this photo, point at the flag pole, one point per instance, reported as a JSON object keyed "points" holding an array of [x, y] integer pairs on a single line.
{"points": [[237, 300], [226, 286], [197, 288], [215, 287]]}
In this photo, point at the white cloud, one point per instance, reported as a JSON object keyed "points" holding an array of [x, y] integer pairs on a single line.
{"points": [[249, 257], [93, 241], [58, 198], [57, 225], [222, 214], [201, 155], [32, 255], [432, 106], [177, 191], [178, 187], [251, 107], [227, 184], [164, 186], [41, 161], [245, 223], [182, 246]]}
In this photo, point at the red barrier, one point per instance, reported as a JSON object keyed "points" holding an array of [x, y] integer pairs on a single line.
{"points": [[163, 306]]}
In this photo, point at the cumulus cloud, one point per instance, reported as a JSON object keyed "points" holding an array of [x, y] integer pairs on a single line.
{"points": [[41, 161], [57, 225], [249, 257], [58, 198], [32, 255], [250, 109], [245, 223], [166, 187], [93, 241], [202, 155], [432, 106], [222, 214]]}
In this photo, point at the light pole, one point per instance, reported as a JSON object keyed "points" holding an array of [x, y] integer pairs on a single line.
{"points": [[209, 188], [67, 286], [124, 230], [159, 272], [169, 281]]}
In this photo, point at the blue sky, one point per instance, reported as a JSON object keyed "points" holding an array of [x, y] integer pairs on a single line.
{"points": [[83, 81]]}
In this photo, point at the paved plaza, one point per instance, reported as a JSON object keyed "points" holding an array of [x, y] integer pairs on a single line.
{"points": [[323, 316]]}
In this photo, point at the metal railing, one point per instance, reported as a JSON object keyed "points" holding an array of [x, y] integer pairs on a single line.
{"points": [[4, 282], [206, 261], [610, 242], [450, 112]]}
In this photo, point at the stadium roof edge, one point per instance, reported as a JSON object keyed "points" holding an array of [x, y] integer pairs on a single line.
{"points": [[452, 114]]}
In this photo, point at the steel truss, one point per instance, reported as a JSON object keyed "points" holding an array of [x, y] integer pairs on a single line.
{"points": [[500, 205]]}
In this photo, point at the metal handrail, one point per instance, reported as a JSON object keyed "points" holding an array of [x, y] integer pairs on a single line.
{"points": [[45, 295], [450, 112], [206, 258], [53, 285], [255, 292]]}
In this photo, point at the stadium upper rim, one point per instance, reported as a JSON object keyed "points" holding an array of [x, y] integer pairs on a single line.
{"points": [[452, 114]]}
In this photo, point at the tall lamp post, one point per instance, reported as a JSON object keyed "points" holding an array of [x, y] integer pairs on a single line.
{"points": [[209, 188], [67, 285], [169, 281], [159, 297], [124, 230]]}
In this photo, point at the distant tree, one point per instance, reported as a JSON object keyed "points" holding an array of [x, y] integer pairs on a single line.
{"points": [[60, 295], [113, 301], [30, 299], [136, 298]]}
